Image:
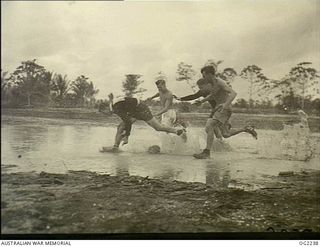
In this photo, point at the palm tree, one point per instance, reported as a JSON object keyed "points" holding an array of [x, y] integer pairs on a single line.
{"points": [[83, 90], [90, 93], [60, 87]]}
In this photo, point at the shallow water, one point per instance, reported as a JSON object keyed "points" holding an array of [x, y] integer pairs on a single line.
{"points": [[31, 144]]}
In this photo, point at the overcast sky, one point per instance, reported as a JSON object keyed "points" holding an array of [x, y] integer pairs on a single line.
{"points": [[106, 40]]}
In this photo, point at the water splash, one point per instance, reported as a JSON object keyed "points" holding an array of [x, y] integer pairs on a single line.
{"points": [[176, 145], [292, 143]]}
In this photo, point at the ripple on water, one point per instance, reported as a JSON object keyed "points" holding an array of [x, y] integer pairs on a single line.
{"points": [[59, 148]]}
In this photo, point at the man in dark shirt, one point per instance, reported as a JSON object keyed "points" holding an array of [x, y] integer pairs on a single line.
{"points": [[131, 109]]}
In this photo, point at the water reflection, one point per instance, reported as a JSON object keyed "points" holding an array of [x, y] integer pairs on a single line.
{"points": [[58, 148], [217, 176], [122, 165], [26, 138], [170, 174]]}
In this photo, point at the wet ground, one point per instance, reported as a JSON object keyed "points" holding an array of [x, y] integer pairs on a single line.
{"points": [[54, 180], [85, 202]]}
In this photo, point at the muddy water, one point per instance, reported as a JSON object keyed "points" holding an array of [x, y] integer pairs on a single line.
{"points": [[58, 146]]}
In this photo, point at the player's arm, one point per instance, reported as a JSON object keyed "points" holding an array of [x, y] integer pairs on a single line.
{"points": [[191, 96], [154, 96], [207, 98], [167, 105]]}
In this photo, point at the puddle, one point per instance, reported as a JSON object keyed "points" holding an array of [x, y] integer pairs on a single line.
{"points": [[48, 146]]}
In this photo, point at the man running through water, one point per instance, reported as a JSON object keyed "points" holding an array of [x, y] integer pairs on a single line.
{"points": [[167, 113], [129, 110], [215, 91], [211, 101]]}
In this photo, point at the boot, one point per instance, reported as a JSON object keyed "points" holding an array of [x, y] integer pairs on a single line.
{"points": [[205, 154]]}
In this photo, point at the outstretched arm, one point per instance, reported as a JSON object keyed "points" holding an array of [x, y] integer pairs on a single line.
{"points": [[207, 98], [191, 96], [154, 96]]}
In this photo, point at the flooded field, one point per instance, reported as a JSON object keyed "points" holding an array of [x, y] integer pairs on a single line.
{"points": [[56, 180], [58, 146]]}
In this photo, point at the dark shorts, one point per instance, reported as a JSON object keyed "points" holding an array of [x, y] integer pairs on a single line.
{"points": [[142, 112]]}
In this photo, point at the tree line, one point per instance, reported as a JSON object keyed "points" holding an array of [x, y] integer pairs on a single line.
{"points": [[298, 89], [32, 85]]}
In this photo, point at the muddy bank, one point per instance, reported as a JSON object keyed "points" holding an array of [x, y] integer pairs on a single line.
{"points": [[85, 202], [273, 122]]}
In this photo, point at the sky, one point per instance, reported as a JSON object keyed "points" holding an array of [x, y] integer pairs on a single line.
{"points": [[107, 40]]}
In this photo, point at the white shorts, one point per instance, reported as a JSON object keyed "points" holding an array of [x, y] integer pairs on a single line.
{"points": [[169, 118]]}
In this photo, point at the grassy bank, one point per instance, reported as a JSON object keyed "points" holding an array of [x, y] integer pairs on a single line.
{"points": [[238, 120]]}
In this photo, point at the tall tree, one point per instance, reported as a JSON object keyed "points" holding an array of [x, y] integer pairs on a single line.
{"points": [[185, 72], [91, 92], [32, 80], [131, 85], [84, 90], [60, 88], [305, 80], [296, 87], [256, 78]]}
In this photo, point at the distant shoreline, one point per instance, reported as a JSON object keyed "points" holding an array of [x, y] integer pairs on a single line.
{"points": [[260, 121]]}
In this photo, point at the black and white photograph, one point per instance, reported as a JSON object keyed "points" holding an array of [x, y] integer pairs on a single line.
{"points": [[160, 119]]}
